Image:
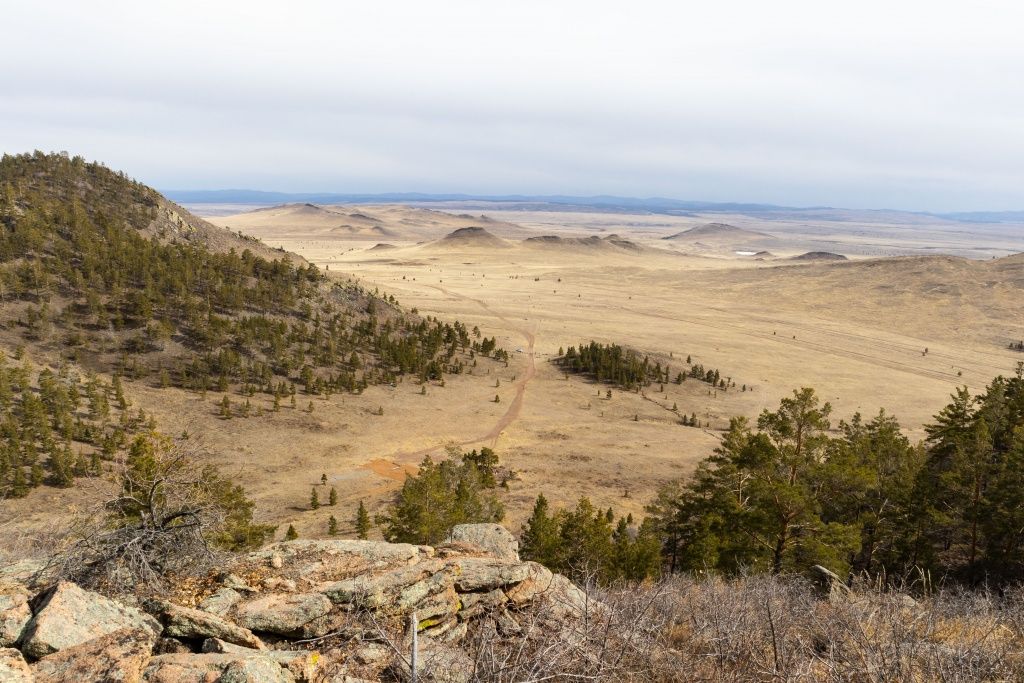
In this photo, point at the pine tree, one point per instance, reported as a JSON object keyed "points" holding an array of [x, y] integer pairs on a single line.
{"points": [[362, 522], [333, 497], [332, 526], [291, 534], [314, 500]]}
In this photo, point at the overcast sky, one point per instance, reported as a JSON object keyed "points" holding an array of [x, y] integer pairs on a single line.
{"points": [[901, 104]]}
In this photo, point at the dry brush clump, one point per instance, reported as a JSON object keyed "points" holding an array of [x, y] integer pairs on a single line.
{"points": [[170, 517], [754, 628], [761, 628]]}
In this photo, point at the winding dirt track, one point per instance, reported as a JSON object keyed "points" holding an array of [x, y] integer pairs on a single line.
{"points": [[398, 471]]}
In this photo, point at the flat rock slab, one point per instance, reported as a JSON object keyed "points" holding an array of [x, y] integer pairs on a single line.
{"points": [[211, 668], [184, 622], [484, 574], [118, 657], [331, 560], [282, 613], [13, 668], [69, 616]]}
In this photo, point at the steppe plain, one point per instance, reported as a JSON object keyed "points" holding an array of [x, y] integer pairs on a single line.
{"points": [[915, 311]]}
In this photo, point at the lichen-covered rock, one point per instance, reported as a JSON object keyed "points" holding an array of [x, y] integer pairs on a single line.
{"points": [[538, 581], [376, 590], [118, 657], [20, 573], [493, 539], [251, 667], [14, 616], [472, 605], [301, 663], [184, 622], [13, 668], [68, 615], [221, 602], [283, 614], [482, 573], [327, 560]]}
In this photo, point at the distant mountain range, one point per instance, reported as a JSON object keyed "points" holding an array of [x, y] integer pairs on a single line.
{"points": [[610, 203]]}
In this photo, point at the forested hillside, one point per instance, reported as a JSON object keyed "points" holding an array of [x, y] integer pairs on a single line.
{"points": [[100, 274]]}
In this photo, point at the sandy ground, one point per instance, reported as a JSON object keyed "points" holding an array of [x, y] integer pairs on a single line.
{"points": [[856, 331]]}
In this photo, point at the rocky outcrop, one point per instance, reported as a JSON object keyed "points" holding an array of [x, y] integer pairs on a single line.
{"points": [[264, 618]]}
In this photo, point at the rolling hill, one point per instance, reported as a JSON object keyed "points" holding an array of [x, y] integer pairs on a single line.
{"points": [[718, 231]]}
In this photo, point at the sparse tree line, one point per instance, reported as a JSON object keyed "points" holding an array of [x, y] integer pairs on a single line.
{"points": [[787, 492], [618, 366], [78, 268]]}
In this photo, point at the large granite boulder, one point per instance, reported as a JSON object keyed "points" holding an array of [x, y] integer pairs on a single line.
{"points": [[118, 657], [493, 539], [285, 614], [67, 615], [184, 622]]}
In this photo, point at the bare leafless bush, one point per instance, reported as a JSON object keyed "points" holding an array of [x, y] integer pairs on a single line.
{"points": [[169, 517]]}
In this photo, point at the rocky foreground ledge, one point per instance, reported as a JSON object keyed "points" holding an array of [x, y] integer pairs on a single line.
{"points": [[316, 610]]}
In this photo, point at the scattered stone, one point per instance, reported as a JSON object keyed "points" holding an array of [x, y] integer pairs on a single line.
{"points": [[67, 615], [14, 616], [330, 560], [235, 582], [184, 622], [284, 614], [276, 583], [493, 539], [372, 653], [119, 656], [275, 561], [13, 668]]}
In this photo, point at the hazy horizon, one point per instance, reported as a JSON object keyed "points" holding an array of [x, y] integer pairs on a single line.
{"points": [[911, 107]]}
